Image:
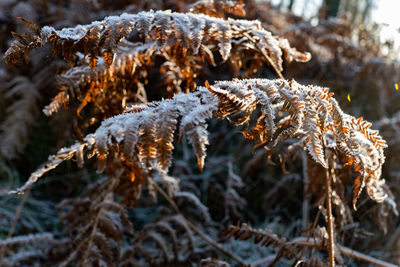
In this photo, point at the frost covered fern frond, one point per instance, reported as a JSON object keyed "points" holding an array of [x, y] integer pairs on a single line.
{"points": [[131, 46], [192, 31], [143, 136]]}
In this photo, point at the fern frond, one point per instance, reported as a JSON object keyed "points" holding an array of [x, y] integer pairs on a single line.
{"points": [[25, 249], [291, 249], [308, 113], [234, 203], [101, 38], [264, 238], [21, 116], [97, 233], [218, 8], [118, 77], [191, 201], [25, 239], [118, 81], [210, 262], [172, 239], [55, 160]]}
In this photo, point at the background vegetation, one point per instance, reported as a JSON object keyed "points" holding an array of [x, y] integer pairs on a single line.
{"points": [[128, 215]]}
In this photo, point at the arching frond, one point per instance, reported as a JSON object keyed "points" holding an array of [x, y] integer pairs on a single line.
{"points": [[101, 38]]}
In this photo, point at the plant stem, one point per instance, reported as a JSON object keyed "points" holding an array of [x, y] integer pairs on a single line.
{"points": [[306, 201], [328, 192]]}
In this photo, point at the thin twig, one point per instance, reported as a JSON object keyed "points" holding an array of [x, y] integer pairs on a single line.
{"points": [[268, 259], [302, 241], [205, 237], [310, 232], [360, 256]]}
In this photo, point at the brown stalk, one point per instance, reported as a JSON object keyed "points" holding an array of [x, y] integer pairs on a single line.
{"points": [[328, 192]]}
